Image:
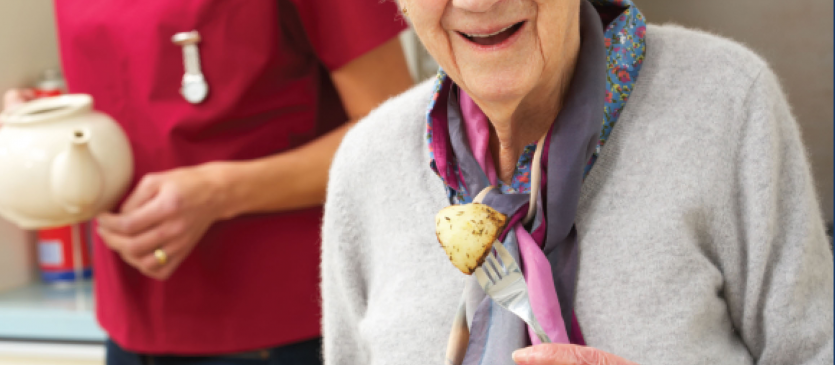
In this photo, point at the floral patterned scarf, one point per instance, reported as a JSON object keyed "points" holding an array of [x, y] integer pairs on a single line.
{"points": [[458, 152]]}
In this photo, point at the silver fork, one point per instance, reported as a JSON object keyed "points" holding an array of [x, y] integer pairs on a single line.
{"points": [[502, 280]]}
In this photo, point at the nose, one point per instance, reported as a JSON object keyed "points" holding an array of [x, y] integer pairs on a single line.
{"points": [[476, 6]]}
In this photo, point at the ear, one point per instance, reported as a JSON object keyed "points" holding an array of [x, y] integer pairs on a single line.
{"points": [[404, 8]]}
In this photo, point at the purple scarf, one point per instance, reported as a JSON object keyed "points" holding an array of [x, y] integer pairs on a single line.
{"points": [[484, 332]]}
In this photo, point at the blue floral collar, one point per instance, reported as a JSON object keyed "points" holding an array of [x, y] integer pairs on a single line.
{"points": [[625, 42]]}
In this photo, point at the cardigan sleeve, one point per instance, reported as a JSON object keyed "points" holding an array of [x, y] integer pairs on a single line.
{"points": [[343, 285], [781, 296]]}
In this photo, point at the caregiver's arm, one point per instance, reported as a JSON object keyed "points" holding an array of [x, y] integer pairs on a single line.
{"points": [[176, 207], [297, 178]]}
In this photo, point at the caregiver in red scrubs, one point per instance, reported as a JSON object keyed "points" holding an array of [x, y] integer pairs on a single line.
{"points": [[213, 255]]}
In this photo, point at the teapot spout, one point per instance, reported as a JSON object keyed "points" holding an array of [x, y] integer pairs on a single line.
{"points": [[76, 178]]}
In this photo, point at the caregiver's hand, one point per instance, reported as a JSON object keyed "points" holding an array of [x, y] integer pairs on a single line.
{"points": [[169, 211], [15, 97], [559, 354]]}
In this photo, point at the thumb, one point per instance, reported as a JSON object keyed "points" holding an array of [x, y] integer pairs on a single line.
{"points": [[15, 97]]}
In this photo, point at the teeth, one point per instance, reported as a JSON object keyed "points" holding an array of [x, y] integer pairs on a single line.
{"points": [[488, 35]]}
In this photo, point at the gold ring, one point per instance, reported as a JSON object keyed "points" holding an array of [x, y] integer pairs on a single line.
{"points": [[162, 258]]}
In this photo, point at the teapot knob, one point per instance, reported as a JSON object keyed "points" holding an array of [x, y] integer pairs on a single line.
{"points": [[76, 178]]}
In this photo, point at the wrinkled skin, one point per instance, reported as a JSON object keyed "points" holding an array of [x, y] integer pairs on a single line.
{"points": [[559, 354], [519, 86]]}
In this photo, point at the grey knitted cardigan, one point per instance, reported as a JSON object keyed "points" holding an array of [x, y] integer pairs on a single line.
{"points": [[701, 240]]}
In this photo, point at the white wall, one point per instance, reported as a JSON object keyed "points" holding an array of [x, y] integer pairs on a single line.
{"points": [[421, 64], [17, 257], [27, 47], [795, 36], [28, 43]]}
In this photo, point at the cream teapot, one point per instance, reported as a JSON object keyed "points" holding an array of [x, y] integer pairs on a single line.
{"points": [[61, 162]]}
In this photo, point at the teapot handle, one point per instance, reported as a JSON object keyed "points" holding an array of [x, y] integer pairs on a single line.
{"points": [[76, 178]]}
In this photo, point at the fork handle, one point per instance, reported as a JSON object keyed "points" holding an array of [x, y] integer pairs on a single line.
{"points": [[540, 333], [543, 337]]}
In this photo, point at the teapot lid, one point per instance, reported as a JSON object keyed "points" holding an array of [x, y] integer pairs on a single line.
{"points": [[48, 109]]}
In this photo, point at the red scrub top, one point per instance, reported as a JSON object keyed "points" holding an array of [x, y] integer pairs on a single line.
{"points": [[252, 282]]}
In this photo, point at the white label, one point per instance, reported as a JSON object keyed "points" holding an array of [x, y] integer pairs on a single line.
{"points": [[51, 252]]}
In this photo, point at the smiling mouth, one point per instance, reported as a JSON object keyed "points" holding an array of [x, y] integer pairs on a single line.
{"points": [[493, 38]]}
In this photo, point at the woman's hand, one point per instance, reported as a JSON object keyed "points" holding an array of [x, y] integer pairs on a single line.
{"points": [[169, 211], [559, 354]]}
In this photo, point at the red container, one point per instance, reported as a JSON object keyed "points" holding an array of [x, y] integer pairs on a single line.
{"points": [[51, 84], [57, 256]]}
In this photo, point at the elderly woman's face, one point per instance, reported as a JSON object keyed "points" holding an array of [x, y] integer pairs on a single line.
{"points": [[497, 50]]}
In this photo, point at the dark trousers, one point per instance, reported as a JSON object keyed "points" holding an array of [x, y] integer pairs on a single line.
{"points": [[301, 353]]}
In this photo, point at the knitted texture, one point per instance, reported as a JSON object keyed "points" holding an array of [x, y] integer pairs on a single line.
{"points": [[701, 239]]}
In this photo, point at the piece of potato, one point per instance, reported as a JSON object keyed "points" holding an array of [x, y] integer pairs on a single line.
{"points": [[466, 232]]}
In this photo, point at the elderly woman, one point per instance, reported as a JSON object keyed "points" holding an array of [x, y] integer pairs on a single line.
{"points": [[674, 216]]}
